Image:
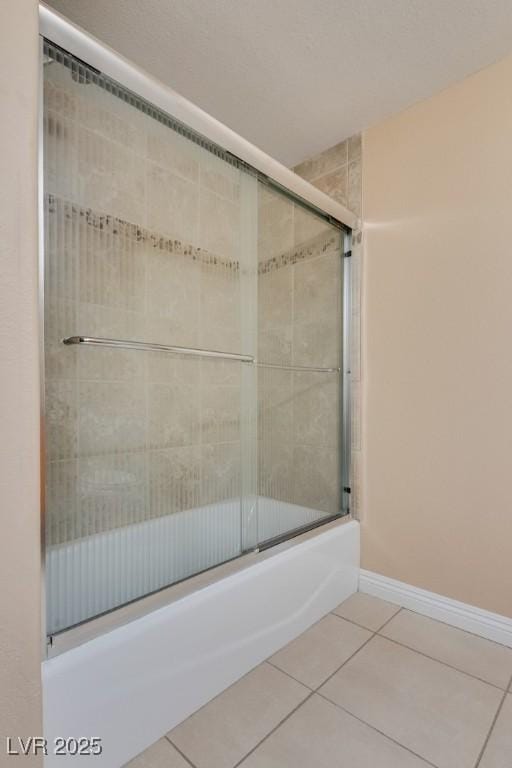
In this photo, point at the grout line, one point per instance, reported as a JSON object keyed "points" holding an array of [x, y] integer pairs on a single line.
{"points": [[487, 738], [444, 663], [373, 728], [362, 626], [279, 724], [345, 662], [295, 679], [374, 634], [184, 756]]}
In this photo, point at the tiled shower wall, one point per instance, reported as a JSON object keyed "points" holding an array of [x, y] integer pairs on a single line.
{"points": [[338, 172]]}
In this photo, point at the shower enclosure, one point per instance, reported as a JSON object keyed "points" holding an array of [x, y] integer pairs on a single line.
{"points": [[195, 377]]}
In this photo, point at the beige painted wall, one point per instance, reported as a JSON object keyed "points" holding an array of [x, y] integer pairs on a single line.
{"points": [[20, 620], [437, 204]]}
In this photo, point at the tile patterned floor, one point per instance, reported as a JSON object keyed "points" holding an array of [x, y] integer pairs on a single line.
{"points": [[369, 686]]}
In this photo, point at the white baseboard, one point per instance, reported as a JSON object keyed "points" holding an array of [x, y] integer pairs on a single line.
{"points": [[492, 626]]}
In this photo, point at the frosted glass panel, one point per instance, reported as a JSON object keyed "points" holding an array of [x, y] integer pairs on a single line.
{"points": [[149, 238]]}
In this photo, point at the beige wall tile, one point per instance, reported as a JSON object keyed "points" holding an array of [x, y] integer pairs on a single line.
{"points": [[354, 148], [173, 415], [317, 343], [61, 92], [317, 290], [60, 322], [61, 419], [111, 271], [307, 226], [168, 150], [60, 147], [335, 184], [220, 177], [112, 492], [316, 399], [111, 178], [111, 417], [172, 204], [316, 478], [219, 224], [109, 322], [326, 161], [62, 233], [61, 500], [354, 187], [220, 472], [275, 298], [275, 223], [109, 117], [220, 299], [220, 413], [174, 480], [275, 345]]}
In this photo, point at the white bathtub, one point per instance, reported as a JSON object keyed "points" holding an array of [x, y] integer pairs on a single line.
{"points": [[134, 683]]}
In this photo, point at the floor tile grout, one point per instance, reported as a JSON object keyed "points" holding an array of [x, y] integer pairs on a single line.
{"points": [[346, 661], [373, 634], [184, 756], [295, 679], [494, 721], [373, 728], [444, 663], [274, 729], [361, 626]]}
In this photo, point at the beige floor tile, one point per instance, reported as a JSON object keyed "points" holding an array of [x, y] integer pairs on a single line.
{"points": [[368, 611], [439, 713], [159, 755], [228, 727], [319, 651], [475, 655], [320, 735], [498, 752]]}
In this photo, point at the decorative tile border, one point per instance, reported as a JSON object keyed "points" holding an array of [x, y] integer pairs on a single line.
{"points": [[115, 226], [317, 246], [112, 225]]}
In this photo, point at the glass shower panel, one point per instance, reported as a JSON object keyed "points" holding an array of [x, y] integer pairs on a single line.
{"points": [[300, 290], [150, 455]]}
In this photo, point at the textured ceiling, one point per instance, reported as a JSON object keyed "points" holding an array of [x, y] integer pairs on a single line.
{"points": [[295, 76]]}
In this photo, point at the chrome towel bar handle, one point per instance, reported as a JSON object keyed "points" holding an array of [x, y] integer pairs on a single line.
{"points": [[196, 352]]}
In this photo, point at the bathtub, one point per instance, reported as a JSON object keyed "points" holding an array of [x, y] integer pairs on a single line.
{"points": [[131, 684]]}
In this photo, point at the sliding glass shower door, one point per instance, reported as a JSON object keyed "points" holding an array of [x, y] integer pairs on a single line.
{"points": [[300, 324], [192, 345]]}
